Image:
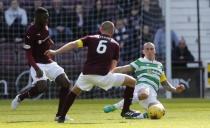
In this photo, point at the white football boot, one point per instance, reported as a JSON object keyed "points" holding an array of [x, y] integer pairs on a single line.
{"points": [[67, 118], [15, 102]]}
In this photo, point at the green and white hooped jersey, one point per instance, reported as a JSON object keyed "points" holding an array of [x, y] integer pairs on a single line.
{"points": [[148, 72]]}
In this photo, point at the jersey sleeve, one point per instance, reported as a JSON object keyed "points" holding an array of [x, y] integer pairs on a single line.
{"points": [[134, 65], [83, 42], [28, 40], [79, 43], [162, 76]]}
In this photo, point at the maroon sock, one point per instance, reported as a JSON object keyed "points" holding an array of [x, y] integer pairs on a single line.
{"points": [[128, 95], [70, 98], [63, 93], [29, 93]]}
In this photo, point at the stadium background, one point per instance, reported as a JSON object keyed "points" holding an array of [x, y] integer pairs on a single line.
{"points": [[137, 21]]}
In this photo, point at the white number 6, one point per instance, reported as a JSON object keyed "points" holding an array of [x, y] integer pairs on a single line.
{"points": [[101, 48]]}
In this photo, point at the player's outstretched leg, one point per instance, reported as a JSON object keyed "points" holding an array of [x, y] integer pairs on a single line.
{"points": [[39, 87], [111, 108], [118, 105]]}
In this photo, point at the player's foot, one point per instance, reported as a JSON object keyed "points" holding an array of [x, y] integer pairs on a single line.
{"points": [[15, 102], [61, 119], [130, 114], [109, 108], [66, 118]]}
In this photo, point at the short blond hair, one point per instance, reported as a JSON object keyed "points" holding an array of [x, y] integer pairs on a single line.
{"points": [[107, 27]]}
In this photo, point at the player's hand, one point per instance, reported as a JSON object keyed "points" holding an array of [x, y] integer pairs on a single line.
{"points": [[39, 73], [50, 53], [180, 88]]}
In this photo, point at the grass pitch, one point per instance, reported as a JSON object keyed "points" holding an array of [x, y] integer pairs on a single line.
{"points": [[180, 113]]}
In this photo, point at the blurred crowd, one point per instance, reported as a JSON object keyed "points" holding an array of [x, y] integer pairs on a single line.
{"points": [[137, 22]]}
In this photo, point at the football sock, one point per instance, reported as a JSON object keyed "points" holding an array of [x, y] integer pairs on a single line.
{"points": [[119, 104], [62, 95], [128, 95], [69, 100]]}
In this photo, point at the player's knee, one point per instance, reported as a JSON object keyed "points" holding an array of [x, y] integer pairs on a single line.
{"points": [[63, 81], [76, 90], [42, 86], [143, 93], [133, 81], [129, 81], [143, 96]]}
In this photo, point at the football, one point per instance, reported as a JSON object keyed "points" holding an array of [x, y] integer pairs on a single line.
{"points": [[156, 111]]}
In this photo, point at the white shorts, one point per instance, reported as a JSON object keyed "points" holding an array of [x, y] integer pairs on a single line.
{"points": [[50, 71], [152, 98], [86, 82]]}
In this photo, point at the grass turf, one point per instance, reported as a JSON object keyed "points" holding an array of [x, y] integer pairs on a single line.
{"points": [[180, 113]]}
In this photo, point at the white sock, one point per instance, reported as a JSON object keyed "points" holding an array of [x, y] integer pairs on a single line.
{"points": [[119, 105]]}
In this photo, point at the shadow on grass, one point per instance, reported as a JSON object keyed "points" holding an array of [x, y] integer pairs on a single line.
{"points": [[23, 121], [78, 123], [74, 123]]}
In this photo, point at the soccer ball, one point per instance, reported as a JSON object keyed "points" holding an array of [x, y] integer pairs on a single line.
{"points": [[156, 111]]}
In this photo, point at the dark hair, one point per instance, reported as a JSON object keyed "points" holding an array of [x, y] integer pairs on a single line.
{"points": [[41, 17], [41, 10]]}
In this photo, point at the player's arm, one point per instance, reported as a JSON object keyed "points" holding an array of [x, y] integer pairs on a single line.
{"points": [[123, 69], [67, 47], [168, 86]]}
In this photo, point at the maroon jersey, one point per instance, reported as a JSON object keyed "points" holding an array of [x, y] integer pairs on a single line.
{"points": [[38, 42], [101, 51]]}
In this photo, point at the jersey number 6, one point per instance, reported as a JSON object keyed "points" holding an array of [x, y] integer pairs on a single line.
{"points": [[101, 48]]}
